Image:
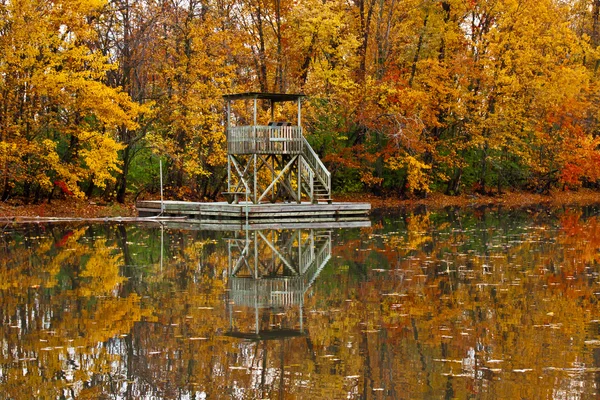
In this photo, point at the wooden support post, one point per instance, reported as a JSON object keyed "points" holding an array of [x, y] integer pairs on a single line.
{"points": [[255, 181], [227, 126], [254, 128], [228, 173], [299, 180], [255, 256], [273, 191], [300, 249]]}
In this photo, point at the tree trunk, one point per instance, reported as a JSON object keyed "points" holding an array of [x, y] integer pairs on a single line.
{"points": [[90, 189], [122, 180], [26, 191], [36, 196], [454, 183], [6, 190], [413, 69], [595, 19], [365, 25], [483, 169], [596, 28]]}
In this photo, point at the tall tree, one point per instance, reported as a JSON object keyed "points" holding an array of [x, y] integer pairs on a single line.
{"points": [[58, 120]]}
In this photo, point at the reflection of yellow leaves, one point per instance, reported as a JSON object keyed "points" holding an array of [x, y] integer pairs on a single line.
{"points": [[75, 250], [102, 271], [417, 233]]}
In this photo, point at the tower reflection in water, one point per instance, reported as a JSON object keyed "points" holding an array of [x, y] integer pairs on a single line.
{"points": [[269, 274]]}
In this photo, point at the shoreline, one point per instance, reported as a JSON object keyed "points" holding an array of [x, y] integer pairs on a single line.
{"points": [[510, 200], [84, 210]]}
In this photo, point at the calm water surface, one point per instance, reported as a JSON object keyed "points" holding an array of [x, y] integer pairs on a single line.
{"points": [[451, 304]]}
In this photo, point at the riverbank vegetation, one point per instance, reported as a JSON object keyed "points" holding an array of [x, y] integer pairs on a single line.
{"points": [[404, 99]]}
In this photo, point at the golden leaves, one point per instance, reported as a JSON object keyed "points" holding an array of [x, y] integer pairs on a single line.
{"points": [[60, 117], [418, 177]]}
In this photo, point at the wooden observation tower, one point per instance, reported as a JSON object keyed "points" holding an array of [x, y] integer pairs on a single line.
{"points": [[266, 162], [271, 162]]}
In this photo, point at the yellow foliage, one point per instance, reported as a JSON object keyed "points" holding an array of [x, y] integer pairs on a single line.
{"points": [[60, 117], [417, 176]]}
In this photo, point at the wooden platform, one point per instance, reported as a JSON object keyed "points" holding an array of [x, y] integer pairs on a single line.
{"points": [[277, 213]]}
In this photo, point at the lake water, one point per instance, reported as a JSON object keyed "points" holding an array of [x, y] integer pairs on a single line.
{"points": [[480, 303]]}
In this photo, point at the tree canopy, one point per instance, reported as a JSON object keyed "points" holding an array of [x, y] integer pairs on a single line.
{"points": [[403, 98]]}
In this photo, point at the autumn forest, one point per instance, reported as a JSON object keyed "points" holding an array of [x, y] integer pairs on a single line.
{"points": [[402, 97]]}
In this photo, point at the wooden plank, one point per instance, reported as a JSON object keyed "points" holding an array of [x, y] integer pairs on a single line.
{"points": [[275, 206], [251, 215], [292, 207], [263, 213], [238, 225]]}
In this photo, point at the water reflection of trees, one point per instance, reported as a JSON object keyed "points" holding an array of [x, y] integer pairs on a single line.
{"points": [[482, 300], [456, 304]]}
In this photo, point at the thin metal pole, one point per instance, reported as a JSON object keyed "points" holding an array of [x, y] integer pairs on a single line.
{"points": [[162, 205]]}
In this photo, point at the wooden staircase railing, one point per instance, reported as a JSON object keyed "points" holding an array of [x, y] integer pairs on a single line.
{"points": [[318, 169]]}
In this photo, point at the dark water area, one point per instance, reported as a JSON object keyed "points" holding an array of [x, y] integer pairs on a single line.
{"points": [[467, 304]]}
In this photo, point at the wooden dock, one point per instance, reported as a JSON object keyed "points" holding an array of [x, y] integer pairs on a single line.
{"points": [[269, 213]]}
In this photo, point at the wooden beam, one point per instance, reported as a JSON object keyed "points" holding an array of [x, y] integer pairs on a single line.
{"points": [[254, 194], [227, 125], [282, 173], [240, 174]]}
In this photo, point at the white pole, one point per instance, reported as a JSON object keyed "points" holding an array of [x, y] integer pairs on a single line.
{"points": [[162, 205]]}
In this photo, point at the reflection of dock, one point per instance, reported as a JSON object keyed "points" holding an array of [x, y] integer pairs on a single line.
{"points": [[258, 225], [272, 270]]}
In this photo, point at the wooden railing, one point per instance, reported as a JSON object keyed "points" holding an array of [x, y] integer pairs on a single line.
{"points": [[306, 172], [321, 172], [261, 139]]}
